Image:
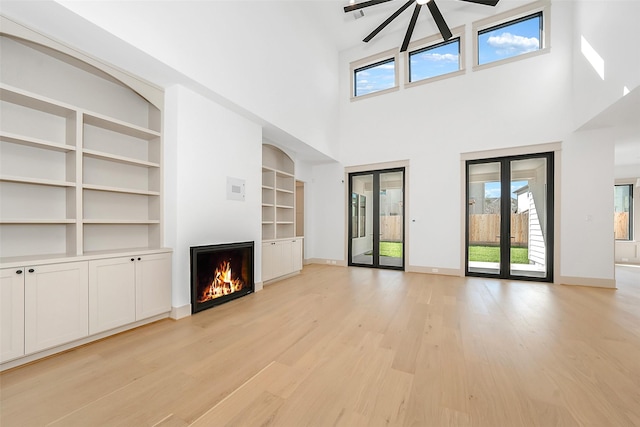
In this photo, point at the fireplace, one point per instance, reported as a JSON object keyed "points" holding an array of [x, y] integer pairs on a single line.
{"points": [[220, 273]]}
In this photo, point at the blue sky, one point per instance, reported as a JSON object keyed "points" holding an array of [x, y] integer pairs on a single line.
{"points": [[375, 78], [434, 62], [509, 41], [492, 189]]}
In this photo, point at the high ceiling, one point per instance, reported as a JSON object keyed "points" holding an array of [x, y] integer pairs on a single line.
{"points": [[346, 31]]}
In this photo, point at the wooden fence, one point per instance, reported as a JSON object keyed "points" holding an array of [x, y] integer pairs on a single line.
{"points": [[621, 225], [391, 228], [485, 229]]}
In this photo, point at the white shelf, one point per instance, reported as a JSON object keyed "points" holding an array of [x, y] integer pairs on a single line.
{"points": [[280, 173], [37, 221], [33, 101], [120, 221], [119, 126], [119, 159], [120, 190], [37, 181], [34, 142]]}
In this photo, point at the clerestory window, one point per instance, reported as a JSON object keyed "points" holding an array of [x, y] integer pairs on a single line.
{"points": [[436, 60], [374, 75]]}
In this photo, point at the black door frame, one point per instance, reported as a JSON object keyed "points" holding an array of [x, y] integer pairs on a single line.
{"points": [[376, 218], [505, 217]]}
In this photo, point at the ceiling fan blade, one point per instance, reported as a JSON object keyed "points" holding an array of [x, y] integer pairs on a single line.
{"points": [[485, 2], [412, 24], [362, 5], [440, 22], [388, 21]]}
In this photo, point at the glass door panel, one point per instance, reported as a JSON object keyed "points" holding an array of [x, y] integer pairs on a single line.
{"points": [[529, 235], [361, 223], [376, 219], [510, 217], [391, 219], [484, 206]]}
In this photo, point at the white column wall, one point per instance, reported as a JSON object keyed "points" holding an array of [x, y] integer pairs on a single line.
{"points": [[326, 218], [586, 221], [204, 144]]}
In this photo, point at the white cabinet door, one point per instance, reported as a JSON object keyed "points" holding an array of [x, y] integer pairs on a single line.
{"points": [[286, 257], [112, 293], [296, 253], [281, 258], [269, 260], [153, 285], [11, 313], [56, 304]]}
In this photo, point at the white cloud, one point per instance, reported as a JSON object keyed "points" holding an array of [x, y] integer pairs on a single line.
{"points": [[439, 57], [509, 44]]}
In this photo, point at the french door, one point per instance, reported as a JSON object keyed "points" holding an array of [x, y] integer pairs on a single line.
{"points": [[376, 223], [509, 226]]}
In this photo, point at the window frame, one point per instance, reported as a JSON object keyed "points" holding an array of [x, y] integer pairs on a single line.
{"points": [[370, 62], [542, 7], [631, 213], [431, 42]]}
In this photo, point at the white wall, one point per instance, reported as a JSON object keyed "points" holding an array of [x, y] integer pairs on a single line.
{"points": [[522, 103], [266, 56], [586, 223], [325, 225], [204, 144], [611, 28]]}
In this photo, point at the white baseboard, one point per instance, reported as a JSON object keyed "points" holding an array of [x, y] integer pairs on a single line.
{"points": [[180, 312], [587, 281], [434, 270], [326, 261], [258, 286]]}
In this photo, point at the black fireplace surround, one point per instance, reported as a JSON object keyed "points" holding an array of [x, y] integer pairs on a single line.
{"points": [[220, 273]]}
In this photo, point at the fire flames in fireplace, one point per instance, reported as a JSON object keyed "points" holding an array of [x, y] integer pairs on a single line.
{"points": [[223, 283], [220, 273]]}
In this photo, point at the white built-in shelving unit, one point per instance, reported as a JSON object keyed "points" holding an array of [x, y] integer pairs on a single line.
{"points": [[80, 186], [282, 250], [75, 181], [278, 194]]}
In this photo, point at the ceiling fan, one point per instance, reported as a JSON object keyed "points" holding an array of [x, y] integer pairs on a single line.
{"points": [[433, 8]]}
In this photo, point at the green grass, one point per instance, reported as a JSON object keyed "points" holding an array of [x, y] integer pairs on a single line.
{"points": [[390, 249], [492, 254], [476, 253]]}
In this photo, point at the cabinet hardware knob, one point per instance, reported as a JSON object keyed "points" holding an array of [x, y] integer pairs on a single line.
{"points": [[132, 259], [19, 272], [139, 258], [31, 270]]}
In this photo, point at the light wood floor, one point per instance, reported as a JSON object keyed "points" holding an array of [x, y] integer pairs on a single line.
{"points": [[358, 347]]}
